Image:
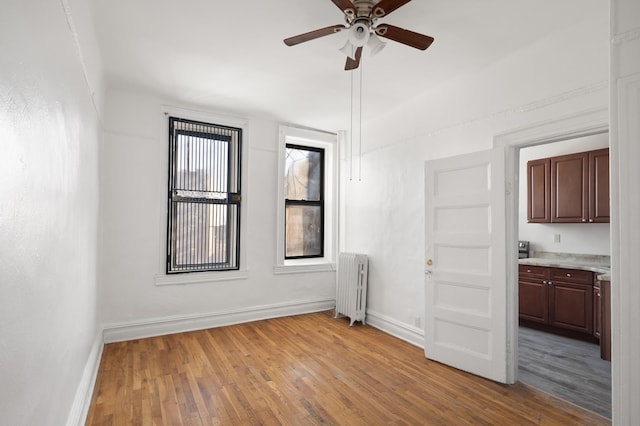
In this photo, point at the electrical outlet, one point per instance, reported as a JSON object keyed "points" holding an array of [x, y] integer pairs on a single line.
{"points": [[556, 238]]}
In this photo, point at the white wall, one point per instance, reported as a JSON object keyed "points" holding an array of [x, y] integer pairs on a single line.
{"points": [[582, 238], [49, 327], [555, 77], [134, 183]]}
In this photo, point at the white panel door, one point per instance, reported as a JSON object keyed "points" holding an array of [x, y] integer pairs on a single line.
{"points": [[465, 271]]}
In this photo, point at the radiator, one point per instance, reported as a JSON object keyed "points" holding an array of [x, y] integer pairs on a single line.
{"points": [[351, 287]]}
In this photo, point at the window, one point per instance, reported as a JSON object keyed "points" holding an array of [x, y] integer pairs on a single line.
{"points": [[203, 232], [307, 210], [304, 202]]}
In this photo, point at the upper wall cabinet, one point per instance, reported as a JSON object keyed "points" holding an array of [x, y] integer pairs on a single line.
{"points": [[539, 191], [569, 189], [599, 186]]}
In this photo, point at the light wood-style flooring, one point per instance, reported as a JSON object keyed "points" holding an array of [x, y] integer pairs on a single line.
{"points": [[567, 368], [304, 370]]}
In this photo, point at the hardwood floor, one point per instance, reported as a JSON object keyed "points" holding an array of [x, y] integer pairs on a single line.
{"points": [[568, 368], [308, 369]]}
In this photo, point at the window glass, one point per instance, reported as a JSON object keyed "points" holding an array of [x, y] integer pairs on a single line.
{"points": [[303, 174], [304, 202], [304, 231]]}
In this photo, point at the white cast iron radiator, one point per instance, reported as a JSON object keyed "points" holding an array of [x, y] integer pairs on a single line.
{"points": [[351, 287]]}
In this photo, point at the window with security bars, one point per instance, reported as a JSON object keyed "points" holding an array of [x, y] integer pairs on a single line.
{"points": [[203, 232], [304, 202]]}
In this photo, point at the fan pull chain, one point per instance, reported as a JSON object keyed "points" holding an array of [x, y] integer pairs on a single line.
{"points": [[360, 131], [351, 131]]}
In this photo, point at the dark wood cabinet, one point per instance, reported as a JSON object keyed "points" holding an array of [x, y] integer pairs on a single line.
{"points": [[597, 309], [571, 188], [533, 294], [558, 297], [571, 299], [599, 186], [539, 191], [605, 328]]}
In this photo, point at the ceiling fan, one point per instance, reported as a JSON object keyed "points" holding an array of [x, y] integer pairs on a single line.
{"points": [[361, 17]]}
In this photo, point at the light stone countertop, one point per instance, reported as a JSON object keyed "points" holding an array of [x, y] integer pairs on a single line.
{"points": [[594, 263]]}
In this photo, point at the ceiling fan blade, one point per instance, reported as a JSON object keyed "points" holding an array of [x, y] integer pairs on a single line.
{"points": [[344, 5], [292, 41], [417, 40], [385, 7], [352, 64]]}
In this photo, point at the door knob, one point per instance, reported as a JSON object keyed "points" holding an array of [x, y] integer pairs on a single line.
{"points": [[429, 262]]}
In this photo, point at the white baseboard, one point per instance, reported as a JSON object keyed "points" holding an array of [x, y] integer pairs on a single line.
{"points": [[177, 324], [403, 331], [84, 393]]}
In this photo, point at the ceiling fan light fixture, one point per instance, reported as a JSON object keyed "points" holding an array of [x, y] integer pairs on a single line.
{"points": [[359, 34], [375, 45], [349, 50], [360, 29]]}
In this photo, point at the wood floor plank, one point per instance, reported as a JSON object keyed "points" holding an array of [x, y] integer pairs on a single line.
{"points": [[568, 368], [307, 369]]}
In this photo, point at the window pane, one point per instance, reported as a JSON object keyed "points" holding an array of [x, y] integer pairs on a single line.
{"points": [[201, 235], [303, 175], [304, 231]]}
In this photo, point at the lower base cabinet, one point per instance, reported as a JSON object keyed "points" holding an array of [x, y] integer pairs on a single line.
{"points": [[558, 297], [605, 327]]}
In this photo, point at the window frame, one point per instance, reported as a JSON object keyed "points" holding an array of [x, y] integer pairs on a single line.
{"points": [[320, 203], [232, 201], [329, 142], [161, 278]]}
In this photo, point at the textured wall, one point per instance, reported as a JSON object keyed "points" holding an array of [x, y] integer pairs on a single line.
{"points": [[134, 160], [48, 214], [559, 75]]}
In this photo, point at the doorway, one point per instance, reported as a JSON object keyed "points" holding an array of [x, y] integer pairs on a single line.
{"points": [[584, 123], [567, 367]]}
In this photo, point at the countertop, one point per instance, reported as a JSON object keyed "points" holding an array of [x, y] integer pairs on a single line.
{"points": [[594, 263]]}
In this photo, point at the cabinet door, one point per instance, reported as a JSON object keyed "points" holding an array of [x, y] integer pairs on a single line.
{"points": [[605, 331], [533, 300], [599, 186], [597, 312], [569, 188], [538, 187], [571, 306]]}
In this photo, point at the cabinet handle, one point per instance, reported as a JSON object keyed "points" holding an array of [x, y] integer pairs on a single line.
{"points": [[549, 282], [568, 275], [528, 270], [584, 220], [544, 281], [591, 220]]}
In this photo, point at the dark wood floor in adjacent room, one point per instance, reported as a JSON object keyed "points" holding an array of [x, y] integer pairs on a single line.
{"points": [[568, 368], [307, 369]]}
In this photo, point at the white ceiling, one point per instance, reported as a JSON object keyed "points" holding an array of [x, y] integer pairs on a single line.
{"points": [[229, 55]]}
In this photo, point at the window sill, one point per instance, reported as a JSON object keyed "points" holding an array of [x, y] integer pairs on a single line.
{"points": [[199, 277], [296, 267]]}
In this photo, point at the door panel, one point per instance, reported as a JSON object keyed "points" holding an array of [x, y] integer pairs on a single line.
{"points": [[533, 300], [571, 307], [465, 284], [599, 199], [539, 191], [569, 188]]}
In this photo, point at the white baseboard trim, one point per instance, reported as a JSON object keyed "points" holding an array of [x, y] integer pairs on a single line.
{"points": [[177, 324], [84, 393], [403, 331]]}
